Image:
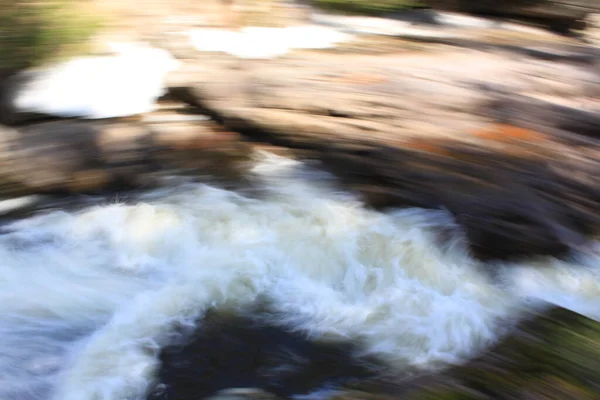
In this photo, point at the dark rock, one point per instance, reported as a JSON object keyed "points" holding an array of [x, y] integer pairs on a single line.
{"points": [[519, 172], [243, 394], [561, 15], [550, 354], [239, 351], [592, 31], [9, 87], [87, 157], [553, 355]]}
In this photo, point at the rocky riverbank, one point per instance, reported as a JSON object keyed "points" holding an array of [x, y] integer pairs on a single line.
{"points": [[551, 355], [475, 131], [499, 126]]}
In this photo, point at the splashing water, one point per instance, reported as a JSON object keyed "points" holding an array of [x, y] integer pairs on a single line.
{"points": [[87, 299]]}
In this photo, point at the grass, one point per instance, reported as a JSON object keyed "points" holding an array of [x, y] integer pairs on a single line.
{"points": [[34, 32], [367, 7]]}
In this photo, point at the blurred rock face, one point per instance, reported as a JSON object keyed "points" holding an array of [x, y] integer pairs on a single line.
{"points": [[436, 126], [561, 15], [244, 351], [406, 129], [501, 132], [80, 157], [552, 354]]}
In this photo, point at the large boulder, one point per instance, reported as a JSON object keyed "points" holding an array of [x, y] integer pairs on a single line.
{"points": [[592, 32], [83, 157], [494, 139], [552, 355], [241, 349]]}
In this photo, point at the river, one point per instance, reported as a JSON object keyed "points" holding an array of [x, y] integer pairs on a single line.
{"points": [[88, 298]]}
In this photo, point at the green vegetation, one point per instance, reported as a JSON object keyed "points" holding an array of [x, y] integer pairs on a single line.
{"points": [[366, 6], [553, 356], [33, 32], [556, 356]]}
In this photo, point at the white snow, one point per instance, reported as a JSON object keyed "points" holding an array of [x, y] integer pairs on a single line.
{"points": [[263, 42], [124, 84]]}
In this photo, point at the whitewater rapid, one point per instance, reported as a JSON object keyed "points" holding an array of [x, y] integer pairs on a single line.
{"points": [[87, 299]]}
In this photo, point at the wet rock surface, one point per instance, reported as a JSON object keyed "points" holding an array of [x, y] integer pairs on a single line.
{"points": [[72, 156], [560, 15], [551, 355], [507, 144], [499, 127], [274, 360]]}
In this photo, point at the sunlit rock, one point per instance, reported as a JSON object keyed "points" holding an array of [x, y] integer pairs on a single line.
{"points": [[405, 129]]}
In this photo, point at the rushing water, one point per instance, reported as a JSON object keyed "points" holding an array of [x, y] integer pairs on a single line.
{"points": [[88, 299]]}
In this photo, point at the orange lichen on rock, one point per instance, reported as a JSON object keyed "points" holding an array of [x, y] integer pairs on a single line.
{"points": [[427, 146], [505, 132]]}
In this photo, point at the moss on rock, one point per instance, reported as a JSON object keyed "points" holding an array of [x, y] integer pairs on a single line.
{"points": [[368, 7], [552, 356], [33, 32]]}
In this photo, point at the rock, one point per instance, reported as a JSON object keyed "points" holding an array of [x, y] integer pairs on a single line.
{"points": [[479, 134], [84, 157], [592, 31], [423, 23], [268, 359], [562, 15], [10, 86], [553, 355]]}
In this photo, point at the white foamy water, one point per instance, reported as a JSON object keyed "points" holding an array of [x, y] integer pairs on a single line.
{"points": [[87, 299]]}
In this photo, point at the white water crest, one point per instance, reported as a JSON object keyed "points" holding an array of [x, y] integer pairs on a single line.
{"points": [[87, 299]]}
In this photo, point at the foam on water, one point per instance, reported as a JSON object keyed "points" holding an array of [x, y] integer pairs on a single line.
{"points": [[87, 299]]}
